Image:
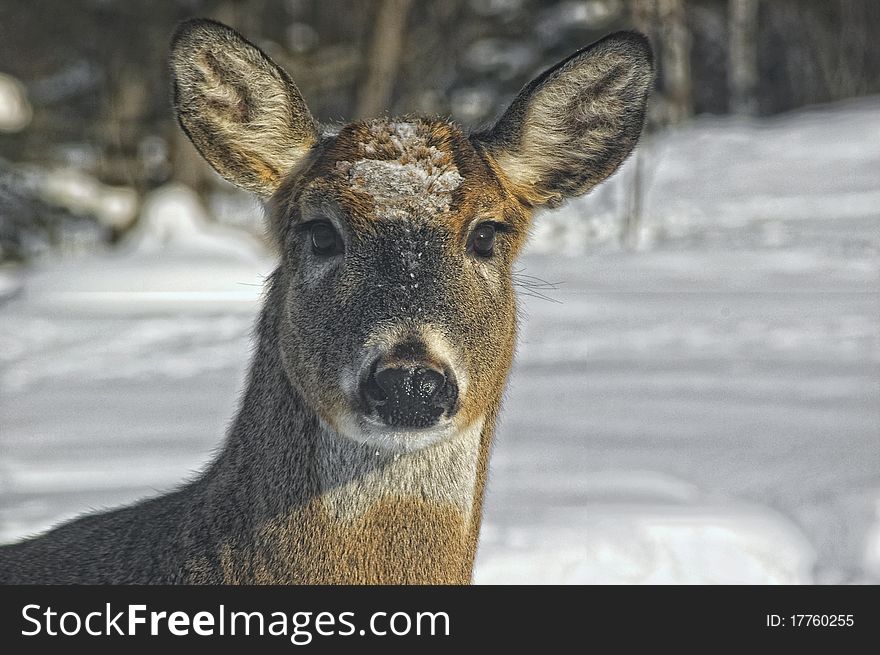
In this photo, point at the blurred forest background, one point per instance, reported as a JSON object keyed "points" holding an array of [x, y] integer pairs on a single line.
{"points": [[86, 130]]}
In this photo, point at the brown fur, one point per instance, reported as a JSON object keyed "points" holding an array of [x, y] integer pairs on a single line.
{"points": [[431, 546]]}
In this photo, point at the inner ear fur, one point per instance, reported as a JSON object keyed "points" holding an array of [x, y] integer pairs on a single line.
{"points": [[240, 110], [571, 127]]}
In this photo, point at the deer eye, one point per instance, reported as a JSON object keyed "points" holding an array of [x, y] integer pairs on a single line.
{"points": [[483, 240], [325, 240]]}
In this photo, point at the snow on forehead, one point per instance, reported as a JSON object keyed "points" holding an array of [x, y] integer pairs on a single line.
{"points": [[403, 173]]}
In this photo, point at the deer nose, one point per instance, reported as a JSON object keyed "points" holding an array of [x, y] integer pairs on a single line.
{"points": [[409, 394]]}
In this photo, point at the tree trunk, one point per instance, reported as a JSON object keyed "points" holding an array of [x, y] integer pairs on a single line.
{"points": [[383, 60], [665, 21], [675, 55], [742, 67], [630, 231]]}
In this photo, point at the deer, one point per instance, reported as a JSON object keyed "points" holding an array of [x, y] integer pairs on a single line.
{"points": [[360, 449]]}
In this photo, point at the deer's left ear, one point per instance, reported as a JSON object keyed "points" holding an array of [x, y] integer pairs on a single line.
{"points": [[571, 127]]}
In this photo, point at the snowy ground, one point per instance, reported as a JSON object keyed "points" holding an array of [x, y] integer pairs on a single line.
{"points": [[704, 410]]}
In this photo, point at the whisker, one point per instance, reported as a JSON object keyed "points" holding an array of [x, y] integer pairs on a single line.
{"points": [[533, 286], [534, 281], [532, 293]]}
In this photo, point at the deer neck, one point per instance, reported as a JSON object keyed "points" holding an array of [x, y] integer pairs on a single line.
{"points": [[307, 505]]}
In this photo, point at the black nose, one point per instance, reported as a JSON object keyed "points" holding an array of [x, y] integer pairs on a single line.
{"points": [[412, 395]]}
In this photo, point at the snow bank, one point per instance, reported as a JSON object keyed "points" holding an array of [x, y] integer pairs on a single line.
{"points": [[15, 110], [728, 172], [82, 194], [650, 544], [174, 219]]}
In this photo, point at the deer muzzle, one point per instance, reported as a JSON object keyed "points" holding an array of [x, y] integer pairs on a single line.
{"points": [[406, 389]]}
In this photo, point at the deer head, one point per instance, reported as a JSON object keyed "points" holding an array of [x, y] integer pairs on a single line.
{"points": [[397, 237]]}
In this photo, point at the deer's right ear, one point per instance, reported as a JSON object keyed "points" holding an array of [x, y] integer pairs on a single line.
{"points": [[240, 110]]}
